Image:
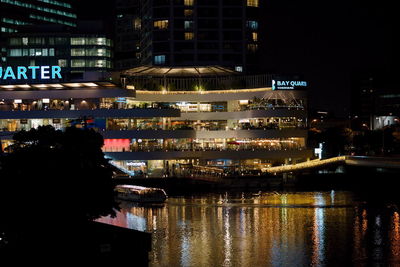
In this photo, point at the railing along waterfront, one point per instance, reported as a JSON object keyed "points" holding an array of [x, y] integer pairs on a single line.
{"points": [[376, 162], [306, 165]]}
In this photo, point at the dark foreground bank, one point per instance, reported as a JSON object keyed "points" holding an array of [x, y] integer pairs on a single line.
{"points": [[92, 242]]}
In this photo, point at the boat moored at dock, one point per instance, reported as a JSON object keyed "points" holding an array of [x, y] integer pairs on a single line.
{"points": [[140, 194]]}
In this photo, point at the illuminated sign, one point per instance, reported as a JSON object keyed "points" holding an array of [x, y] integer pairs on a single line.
{"points": [[288, 85], [121, 100], [30, 73], [136, 164]]}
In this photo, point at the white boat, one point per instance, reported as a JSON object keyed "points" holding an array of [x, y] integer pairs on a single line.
{"points": [[140, 193]]}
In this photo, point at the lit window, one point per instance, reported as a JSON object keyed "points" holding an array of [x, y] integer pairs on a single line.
{"points": [[239, 68], [188, 24], [188, 2], [254, 36], [77, 52], [101, 63], [160, 24], [252, 47], [251, 24], [159, 60], [137, 24], [62, 63], [78, 63], [15, 53], [189, 36], [77, 41], [253, 3], [98, 41], [188, 12], [15, 41]]}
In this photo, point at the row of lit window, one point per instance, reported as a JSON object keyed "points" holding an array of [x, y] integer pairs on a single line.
{"points": [[252, 3], [81, 63], [163, 24], [160, 24], [49, 52], [53, 20], [4, 29], [188, 24], [14, 21], [81, 52], [33, 52], [44, 9], [56, 3], [60, 41], [90, 41]]}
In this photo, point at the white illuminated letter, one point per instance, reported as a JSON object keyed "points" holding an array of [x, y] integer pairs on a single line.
{"points": [[44, 70]]}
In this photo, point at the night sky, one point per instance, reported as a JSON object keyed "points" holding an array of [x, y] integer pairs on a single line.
{"points": [[330, 43]]}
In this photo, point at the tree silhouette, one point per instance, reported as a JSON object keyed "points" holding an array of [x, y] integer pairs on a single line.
{"points": [[51, 184]]}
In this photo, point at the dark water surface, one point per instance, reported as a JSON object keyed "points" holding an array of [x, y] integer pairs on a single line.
{"points": [[268, 229]]}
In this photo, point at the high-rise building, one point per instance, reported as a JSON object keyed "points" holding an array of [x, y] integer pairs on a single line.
{"points": [[14, 15], [200, 33]]}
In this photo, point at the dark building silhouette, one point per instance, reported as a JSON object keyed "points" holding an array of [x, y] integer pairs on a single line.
{"points": [[127, 34], [375, 99]]}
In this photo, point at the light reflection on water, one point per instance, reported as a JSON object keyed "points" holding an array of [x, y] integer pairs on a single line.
{"points": [[266, 229]]}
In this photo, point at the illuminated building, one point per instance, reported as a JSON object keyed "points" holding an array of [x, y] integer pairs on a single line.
{"points": [[173, 121], [82, 53], [200, 33], [17, 14]]}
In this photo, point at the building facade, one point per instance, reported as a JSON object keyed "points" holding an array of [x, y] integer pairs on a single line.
{"points": [[172, 121], [200, 33], [14, 15], [375, 101], [81, 56]]}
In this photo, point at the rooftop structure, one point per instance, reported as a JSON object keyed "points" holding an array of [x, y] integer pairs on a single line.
{"points": [[191, 79]]}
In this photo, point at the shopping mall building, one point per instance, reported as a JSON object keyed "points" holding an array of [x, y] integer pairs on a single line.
{"points": [[163, 122]]}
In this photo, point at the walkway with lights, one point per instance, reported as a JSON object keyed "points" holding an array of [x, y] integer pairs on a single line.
{"points": [[362, 161]]}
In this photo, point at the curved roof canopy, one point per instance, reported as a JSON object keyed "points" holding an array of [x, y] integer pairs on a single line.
{"points": [[180, 71]]}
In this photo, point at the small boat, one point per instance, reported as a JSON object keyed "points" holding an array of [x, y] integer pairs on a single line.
{"points": [[140, 193]]}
